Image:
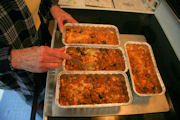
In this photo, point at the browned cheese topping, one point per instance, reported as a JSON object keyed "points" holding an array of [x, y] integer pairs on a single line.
{"points": [[76, 89], [91, 35], [144, 74], [95, 59]]}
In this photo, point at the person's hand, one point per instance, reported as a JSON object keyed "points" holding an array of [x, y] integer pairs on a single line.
{"points": [[61, 17], [38, 59]]}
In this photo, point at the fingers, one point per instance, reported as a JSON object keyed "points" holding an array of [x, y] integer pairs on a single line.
{"points": [[44, 67], [61, 16], [61, 26], [59, 53], [73, 20], [69, 19], [49, 59], [62, 49], [50, 66], [62, 55]]}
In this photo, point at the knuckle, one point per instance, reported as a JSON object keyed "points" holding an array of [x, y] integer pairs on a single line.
{"points": [[59, 64], [43, 49], [41, 66], [56, 65], [41, 58]]}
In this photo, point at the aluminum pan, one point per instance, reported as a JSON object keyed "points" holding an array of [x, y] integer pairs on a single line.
{"points": [[91, 25], [155, 66], [124, 56], [93, 105]]}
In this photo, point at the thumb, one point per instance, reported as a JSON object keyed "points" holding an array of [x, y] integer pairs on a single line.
{"points": [[72, 20], [61, 26], [62, 49]]}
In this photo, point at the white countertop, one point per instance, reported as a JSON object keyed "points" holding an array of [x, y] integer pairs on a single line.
{"points": [[136, 6]]}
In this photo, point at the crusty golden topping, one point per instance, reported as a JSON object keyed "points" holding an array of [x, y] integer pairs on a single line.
{"points": [[76, 89], [91, 35], [95, 59], [143, 71]]}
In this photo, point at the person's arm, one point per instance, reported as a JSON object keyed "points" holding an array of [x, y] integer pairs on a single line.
{"points": [[38, 59], [50, 7], [61, 16], [34, 59]]}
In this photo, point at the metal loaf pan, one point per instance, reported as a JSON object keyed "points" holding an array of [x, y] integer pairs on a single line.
{"points": [[124, 57], [155, 67], [92, 105], [95, 26]]}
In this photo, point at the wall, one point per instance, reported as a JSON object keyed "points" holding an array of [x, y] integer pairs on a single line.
{"points": [[170, 25]]}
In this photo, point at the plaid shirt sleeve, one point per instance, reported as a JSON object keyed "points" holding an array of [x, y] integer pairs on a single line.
{"points": [[4, 61], [17, 31]]}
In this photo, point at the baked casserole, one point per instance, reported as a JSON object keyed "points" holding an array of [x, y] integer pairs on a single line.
{"points": [[95, 59], [83, 89], [143, 70], [90, 35]]}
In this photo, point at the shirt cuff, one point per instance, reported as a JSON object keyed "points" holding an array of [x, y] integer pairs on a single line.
{"points": [[5, 63]]}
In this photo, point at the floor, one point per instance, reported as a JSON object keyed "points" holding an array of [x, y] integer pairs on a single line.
{"points": [[12, 107]]}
